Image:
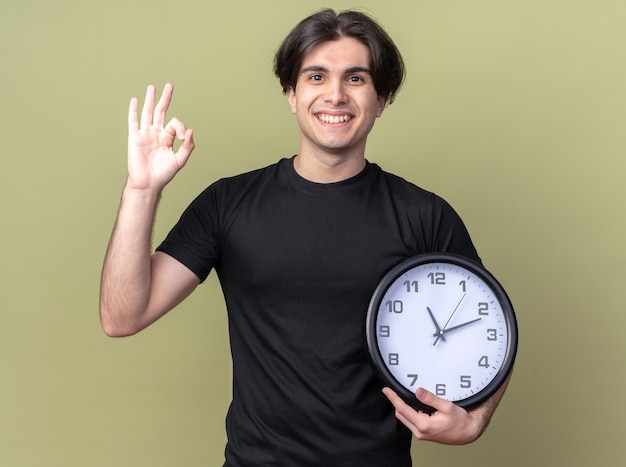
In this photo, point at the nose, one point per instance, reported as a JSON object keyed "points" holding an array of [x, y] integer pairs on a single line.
{"points": [[336, 93]]}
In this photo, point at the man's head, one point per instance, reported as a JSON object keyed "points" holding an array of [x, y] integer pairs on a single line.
{"points": [[387, 66]]}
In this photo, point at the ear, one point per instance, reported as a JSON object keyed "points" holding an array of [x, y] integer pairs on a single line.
{"points": [[291, 98], [382, 103]]}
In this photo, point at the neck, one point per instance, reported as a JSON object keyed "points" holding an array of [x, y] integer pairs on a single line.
{"points": [[327, 167]]}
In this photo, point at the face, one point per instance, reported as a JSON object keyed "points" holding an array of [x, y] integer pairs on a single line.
{"points": [[334, 100]]}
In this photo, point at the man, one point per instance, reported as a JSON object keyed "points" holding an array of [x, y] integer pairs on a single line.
{"points": [[299, 247]]}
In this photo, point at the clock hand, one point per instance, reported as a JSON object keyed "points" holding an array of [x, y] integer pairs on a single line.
{"points": [[450, 318], [438, 330], [445, 331]]}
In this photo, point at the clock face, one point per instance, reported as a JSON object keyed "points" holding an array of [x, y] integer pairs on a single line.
{"points": [[442, 322]]}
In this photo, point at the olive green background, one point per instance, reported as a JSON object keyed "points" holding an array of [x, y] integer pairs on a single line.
{"points": [[514, 111]]}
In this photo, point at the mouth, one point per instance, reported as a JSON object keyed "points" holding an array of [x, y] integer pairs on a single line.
{"points": [[334, 119]]}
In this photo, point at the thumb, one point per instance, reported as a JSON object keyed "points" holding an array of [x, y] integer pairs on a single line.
{"points": [[186, 148], [428, 398]]}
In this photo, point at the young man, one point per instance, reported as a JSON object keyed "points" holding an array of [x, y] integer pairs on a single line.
{"points": [[299, 247]]}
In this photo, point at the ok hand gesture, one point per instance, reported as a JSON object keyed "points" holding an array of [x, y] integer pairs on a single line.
{"points": [[152, 161]]}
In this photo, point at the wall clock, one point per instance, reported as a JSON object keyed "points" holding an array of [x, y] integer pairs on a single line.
{"points": [[442, 322]]}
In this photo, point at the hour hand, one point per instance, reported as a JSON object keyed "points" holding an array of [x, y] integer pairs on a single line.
{"points": [[445, 331], [438, 330]]}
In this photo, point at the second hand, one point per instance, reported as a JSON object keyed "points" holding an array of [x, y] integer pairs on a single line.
{"points": [[450, 318]]}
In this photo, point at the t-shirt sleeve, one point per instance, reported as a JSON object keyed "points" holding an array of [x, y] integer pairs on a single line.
{"points": [[193, 240], [450, 234]]}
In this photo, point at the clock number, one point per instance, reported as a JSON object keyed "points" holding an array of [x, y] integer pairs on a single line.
{"points": [[411, 286], [437, 278], [492, 335], [462, 284], [440, 390], [482, 309], [483, 362], [383, 331], [466, 382], [413, 379], [394, 359], [395, 306]]}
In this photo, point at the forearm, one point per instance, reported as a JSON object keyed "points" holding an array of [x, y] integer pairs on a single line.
{"points": [[125, 284], [450, 424], [483, 413]]}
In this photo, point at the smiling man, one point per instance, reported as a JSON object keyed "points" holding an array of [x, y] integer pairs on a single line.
{"points": [[336, 105], [299, 248]]}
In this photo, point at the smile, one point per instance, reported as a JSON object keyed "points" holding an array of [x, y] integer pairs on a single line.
{"points": [[334, 118]]}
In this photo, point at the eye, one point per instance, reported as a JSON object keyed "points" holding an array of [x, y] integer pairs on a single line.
{"points": [[316, 77], [356, 79]]}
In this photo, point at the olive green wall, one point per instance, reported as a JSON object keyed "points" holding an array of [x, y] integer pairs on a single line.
{"points": [[514, 111]]}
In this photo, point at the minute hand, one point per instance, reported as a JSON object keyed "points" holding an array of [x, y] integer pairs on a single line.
{"points": [[446, 331]]}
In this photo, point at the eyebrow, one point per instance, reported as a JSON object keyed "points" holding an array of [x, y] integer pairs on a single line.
{"points": [[354, 69]]}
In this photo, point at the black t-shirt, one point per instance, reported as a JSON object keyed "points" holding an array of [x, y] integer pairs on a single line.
{"points": [[298, 262]]}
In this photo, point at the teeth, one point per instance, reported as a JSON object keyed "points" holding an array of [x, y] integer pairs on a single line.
{"points": [[334, 118]]}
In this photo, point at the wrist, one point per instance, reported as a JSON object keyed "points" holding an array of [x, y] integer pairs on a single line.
{"points": [[145, 194], [140, 201]]}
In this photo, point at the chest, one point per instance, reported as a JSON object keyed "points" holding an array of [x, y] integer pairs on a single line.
{"points": [[302, 244]]}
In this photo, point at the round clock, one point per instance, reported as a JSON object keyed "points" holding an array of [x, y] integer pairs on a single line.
{"points": [[442, 322]]}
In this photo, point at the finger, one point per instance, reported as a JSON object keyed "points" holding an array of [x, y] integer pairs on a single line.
{"points": [[431, 400], [186, 148], [148, 107], [175, 128], [392, 396], [403, 410], [133, 125], [188, 142], [406, 414], [163, 104]]}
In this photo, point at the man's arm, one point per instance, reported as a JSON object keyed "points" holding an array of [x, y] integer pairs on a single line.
{"points": [[137, 288], [450, 424]]}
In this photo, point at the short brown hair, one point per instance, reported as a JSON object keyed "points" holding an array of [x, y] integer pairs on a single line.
{"points": [[387, 66]]}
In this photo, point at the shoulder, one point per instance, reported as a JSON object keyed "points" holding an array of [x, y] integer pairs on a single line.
{"points": [[424, 208], [247, 177], [405, 190]]}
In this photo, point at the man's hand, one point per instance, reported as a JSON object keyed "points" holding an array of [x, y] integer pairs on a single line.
{"points": [[152, 161], [450, 424]]}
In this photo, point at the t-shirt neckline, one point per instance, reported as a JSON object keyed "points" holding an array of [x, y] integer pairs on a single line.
{"points": [[301, 183]]}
